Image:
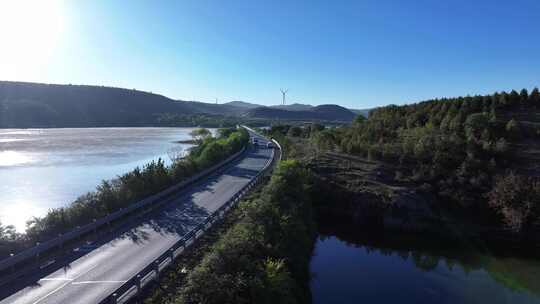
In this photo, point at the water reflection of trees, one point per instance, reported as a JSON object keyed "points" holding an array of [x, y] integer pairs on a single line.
{"points": [[430, 252], [424, 260]]}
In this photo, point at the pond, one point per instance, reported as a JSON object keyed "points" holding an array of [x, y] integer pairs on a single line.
{"points": [[394, 268]]}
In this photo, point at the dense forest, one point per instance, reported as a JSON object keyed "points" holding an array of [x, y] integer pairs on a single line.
{"points": [[478, 153]]}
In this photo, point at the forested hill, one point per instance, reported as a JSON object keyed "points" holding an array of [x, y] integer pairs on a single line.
{"points": [[45, 105], [34, 105], [478, 151]]}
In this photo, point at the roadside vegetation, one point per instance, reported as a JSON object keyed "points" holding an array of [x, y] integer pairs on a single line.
{"points": [[111, 195], [264, 257]]}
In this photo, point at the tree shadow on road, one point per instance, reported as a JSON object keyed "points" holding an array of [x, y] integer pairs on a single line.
{"points": [[179, 221]]}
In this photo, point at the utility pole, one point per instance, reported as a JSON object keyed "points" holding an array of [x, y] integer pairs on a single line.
{"points": [[283, 92], [216, 100]]}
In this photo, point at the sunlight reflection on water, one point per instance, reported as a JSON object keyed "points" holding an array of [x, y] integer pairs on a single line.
{"points": [[13, 158], [48, 168]]}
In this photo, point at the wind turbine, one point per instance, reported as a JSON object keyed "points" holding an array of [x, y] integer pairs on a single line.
{"points": [[283, 92]]}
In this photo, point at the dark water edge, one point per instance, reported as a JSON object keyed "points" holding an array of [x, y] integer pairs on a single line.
{"points": [[352, 264]]}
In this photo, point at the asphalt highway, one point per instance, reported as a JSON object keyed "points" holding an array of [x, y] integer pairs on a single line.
{"points": [[101, 267]]}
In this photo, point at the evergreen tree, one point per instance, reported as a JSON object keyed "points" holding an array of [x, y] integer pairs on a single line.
{"points": [[492, 116], [524, 95], [513, 128], [535, 97], [514, 98], [503, 100]]}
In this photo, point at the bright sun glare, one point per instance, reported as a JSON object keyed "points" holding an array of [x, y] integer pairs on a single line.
{"points": [[13, 158], [29, 32]]}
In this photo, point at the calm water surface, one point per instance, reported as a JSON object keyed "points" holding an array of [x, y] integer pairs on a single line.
{"points": [[45, 168], [356, 271]]}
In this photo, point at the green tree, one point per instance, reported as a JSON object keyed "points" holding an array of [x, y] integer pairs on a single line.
{"points": [[535, 97], [200, 134], [295, 131], [492, 116], [475, 124], [359, 119], [524, 96], [503, 100], [278, 282], [514, 98], [8, 233], [315, 127], [513, 128]]}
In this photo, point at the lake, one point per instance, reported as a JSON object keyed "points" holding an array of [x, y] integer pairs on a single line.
{"points": [[394, 269], [46, 168]]}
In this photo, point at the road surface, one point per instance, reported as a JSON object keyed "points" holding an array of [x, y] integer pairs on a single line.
{"points": [[100, 268]]}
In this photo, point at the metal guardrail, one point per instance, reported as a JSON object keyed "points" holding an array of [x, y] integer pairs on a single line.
{"points": [[152, 271], [59, 241], [279, 147]]}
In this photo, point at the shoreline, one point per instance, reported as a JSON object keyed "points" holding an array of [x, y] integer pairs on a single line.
{"points": [[186, 141]]}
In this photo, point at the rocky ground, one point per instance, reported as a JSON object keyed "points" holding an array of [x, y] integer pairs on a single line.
{"points": [[372, 193]]}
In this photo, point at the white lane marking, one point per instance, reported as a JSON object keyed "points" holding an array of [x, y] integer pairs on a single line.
{"points": [[64, 285], [56, 279], [97, 282], [50, 293]]}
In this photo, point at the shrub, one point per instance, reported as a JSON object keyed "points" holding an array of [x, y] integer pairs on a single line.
{"points": [[517, 199], [513, 129]]}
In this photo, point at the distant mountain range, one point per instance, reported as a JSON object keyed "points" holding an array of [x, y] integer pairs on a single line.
{"points": [[322, 112], [289, 107], [26, 105], [294, 107], [242, 104], [364, 112]]}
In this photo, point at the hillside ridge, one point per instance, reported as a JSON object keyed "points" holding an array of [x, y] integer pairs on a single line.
{"points": [[35, 105]]}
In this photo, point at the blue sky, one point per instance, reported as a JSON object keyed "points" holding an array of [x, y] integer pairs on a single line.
{"points": [[358, 54]]}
